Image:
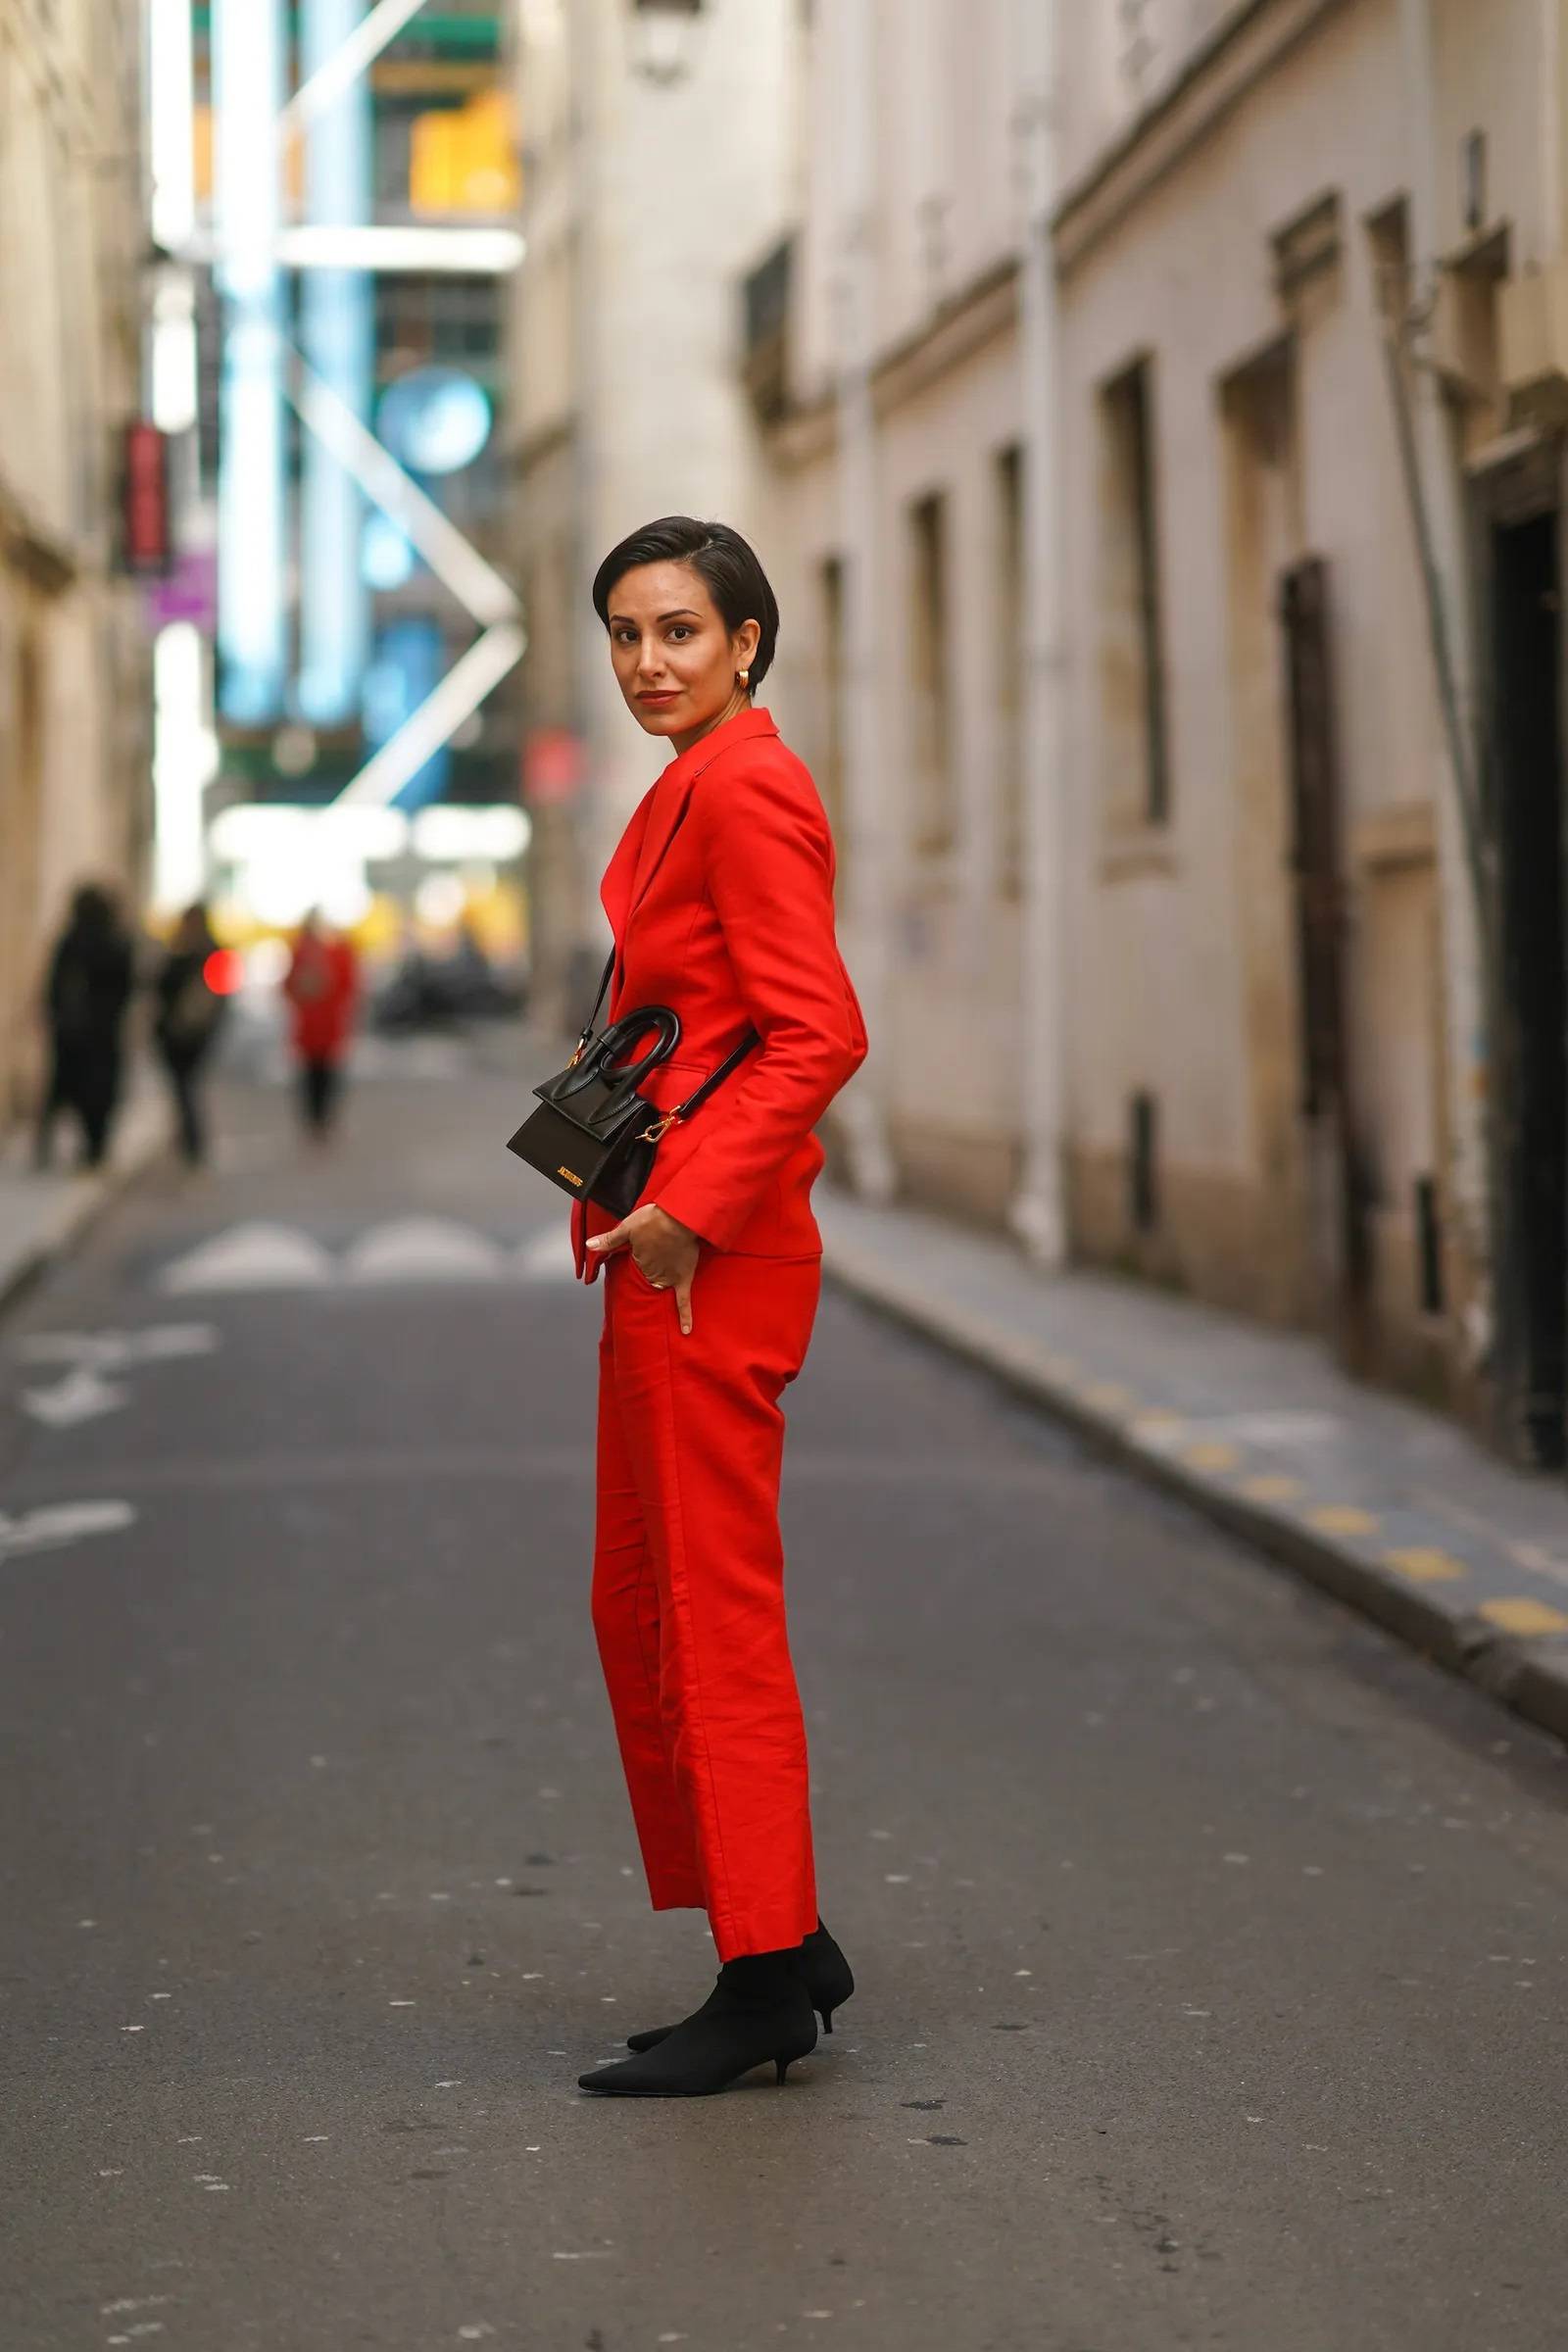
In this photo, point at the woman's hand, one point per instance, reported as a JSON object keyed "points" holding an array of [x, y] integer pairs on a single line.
{"points": [[664, 1250]]}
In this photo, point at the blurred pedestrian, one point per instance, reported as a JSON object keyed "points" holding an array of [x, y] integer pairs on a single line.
{"points": [[322, 989], [190, 1014], [89, 983]]}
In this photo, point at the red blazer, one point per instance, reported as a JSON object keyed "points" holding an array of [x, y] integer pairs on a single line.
{"points": [[721, 897]]}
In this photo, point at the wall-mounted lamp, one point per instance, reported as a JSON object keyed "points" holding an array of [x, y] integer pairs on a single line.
{"points": [[662, 35]]}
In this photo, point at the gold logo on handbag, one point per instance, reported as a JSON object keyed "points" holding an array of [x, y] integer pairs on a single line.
{"points": [[592, 1107]]}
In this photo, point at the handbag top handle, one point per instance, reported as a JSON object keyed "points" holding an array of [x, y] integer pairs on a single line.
{"points": [[694, 1101]]}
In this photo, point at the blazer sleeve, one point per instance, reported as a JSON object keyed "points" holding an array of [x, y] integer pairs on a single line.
{"points": [[768, 860]]}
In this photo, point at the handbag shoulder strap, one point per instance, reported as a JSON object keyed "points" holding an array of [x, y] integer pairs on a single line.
{"points": [[715, 1078], [603, 983]]}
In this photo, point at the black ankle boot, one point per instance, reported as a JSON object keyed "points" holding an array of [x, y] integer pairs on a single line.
{"points": [[758, 2010], [818, 1962]]}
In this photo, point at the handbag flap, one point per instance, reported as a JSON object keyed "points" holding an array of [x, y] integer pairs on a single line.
{"points": [[592, 1104]]}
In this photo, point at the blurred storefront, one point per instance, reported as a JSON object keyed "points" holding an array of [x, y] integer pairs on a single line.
{"points": [[337, 289], [74, 689]]}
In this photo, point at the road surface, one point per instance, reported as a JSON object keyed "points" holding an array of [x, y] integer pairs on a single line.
{"points": [[1211, 1949]]}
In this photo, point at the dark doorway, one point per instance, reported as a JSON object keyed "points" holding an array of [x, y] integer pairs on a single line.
{"points": [[1533, 1125]]}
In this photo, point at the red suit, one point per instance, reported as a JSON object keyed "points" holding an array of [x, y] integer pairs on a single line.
{"points": [[721, 897]]}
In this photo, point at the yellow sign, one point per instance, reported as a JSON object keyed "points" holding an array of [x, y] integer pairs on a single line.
{"points": [[464, 158]]}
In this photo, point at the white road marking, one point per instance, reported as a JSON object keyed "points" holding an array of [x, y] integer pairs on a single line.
{"points": [[81, 1395], [83, 1392], [255, 1257], [116, 1350], [546, 1256], [260, 1256], [59, 1523], [423, 1250]]}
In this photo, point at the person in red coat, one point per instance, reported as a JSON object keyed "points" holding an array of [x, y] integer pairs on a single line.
{"points": [[321, 986], [720, 899]]}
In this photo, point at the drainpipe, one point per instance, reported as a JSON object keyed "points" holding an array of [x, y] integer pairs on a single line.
{"points": [[1038, 1213], [1554, 126], [1437, 499], [873, 845]]}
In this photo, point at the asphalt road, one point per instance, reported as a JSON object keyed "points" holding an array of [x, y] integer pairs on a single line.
{"points": [[1211, 1950]]}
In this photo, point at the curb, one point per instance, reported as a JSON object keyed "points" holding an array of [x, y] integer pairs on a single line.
{"points": [[1529, 1675], [82, 1202]]}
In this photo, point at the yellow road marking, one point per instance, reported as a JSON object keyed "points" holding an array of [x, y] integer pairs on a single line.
{"points": [[1426, 1565], [1108, 1392], [1343, 1519], [1524, 1616], [1273, 1488], [1212, 1455]]}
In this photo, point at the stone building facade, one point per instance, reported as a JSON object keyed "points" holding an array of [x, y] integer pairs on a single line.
{"points": [[75, 694], [651, 184], [1168, 474]]}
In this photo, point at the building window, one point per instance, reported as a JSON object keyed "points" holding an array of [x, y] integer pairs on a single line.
{"points": [[1132, 657], [1011, 640], [1388, 240], [830, 729], [931, 746]]}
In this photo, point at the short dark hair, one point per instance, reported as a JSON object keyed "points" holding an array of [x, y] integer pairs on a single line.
{"points": [[721, 559]]}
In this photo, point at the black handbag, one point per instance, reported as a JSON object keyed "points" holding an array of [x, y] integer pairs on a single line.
{"points": [[593, 1134]]}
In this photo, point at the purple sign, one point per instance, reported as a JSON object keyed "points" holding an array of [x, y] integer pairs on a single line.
{"points": [[187, 592]]}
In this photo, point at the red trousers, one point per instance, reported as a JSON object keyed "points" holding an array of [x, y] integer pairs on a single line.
{"points": [[688, 1590]]}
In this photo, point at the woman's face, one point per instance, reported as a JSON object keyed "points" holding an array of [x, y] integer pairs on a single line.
{"points": [[674, 658]]}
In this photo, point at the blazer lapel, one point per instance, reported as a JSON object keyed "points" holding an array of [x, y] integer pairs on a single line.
{"points": [[674, 790], [671, 796]]}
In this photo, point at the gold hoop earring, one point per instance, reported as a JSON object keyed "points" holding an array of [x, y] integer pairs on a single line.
{"points": [[745, 676]]}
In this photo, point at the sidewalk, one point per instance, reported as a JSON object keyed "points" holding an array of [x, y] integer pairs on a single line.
{"points": [[1391, 1508], [42, 1214]]}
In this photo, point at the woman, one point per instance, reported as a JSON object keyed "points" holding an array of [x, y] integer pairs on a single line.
{"points": [[190, 1014], [321, 985], [91, 976], [720, 898]]}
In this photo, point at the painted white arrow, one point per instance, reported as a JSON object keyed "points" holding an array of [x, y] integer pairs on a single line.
{"points": [[59, 1523], [81, 1395]]}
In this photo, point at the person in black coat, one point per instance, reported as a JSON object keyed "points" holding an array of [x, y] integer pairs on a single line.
{"points": [[191, 1013], [91, 975]]}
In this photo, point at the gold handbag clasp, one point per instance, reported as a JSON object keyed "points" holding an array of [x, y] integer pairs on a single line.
{"points": [[659, 1128]]}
